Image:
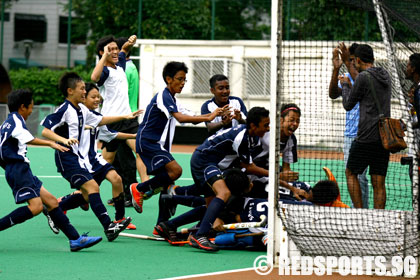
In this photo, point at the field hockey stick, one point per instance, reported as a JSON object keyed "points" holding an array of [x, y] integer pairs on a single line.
{"points": [[262, 223], [140, 236]]}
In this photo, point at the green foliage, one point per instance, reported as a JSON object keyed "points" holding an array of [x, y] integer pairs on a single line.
{"points": [[173, 19], [43, 83]]}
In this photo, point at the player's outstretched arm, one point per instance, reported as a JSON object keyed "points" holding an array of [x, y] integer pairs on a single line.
{"points": [[42, 142], [48, 133], [182, 118], [124, 136], [113, 119], [253, 169]]}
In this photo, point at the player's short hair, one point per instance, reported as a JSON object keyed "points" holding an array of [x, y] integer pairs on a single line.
{"points": [[173, 67], [255, 116], [325, 191], [353, 48], [286, 108], [100, 45], [68, 80], [365, 53], [415, 62], [120, 43], [18, 97], [217, 78], [90, 86], [236, 181]]}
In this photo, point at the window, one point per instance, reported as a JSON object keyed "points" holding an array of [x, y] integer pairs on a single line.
{"points": [[30, 27]]}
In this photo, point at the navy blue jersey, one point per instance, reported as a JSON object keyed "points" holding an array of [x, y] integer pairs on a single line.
{"points": [[14, 135], [70, 122], [227, 145], [234, 102], [286, 194], [158, 124]]}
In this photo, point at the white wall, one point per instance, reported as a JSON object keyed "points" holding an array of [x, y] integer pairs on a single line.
{"points": [[50, 53]]}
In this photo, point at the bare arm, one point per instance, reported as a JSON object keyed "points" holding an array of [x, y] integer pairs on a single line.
{"points": [[213, 127], [112, 119], [182, 118], [129, 44], [99, 67], [253, 169], [122, 135], [345, 56], [42, 142], [48, 133], [334, 91]]}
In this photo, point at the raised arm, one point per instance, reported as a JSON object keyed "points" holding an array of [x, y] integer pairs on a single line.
{"points": [[129, 44], [99, 67], [334, 91], [345, 56]]}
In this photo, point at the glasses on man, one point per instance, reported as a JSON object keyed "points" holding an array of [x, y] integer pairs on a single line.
{"points": [[181, 79]]}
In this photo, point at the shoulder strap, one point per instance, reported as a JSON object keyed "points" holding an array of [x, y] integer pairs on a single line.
{"points": [[372, 89]]}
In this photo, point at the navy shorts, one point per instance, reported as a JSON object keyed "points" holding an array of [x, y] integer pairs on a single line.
{"points": [[99, 176], [153, 155], [22, 182], [126, 126], [253, 209], [204, 173], [77, 177], [362, 155]]}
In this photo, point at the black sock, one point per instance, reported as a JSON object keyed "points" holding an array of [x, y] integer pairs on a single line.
{"points": [[189, 200], [72, 201], [163, 214], [161, 179], [213, 210], [191, 216], [16, 217], [63, 223], [119, 206], [99, 209], [188, 190]]}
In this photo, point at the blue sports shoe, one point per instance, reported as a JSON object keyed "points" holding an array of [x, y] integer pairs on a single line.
{"points": [[84, 241]]}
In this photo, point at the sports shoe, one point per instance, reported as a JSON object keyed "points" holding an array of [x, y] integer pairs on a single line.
{"points": [[137, 198], [166, 232], [130, 225], [202, 242], [169, 203], [51, 223], [171, 189], [329, 174], [83, 242], [115, 228], [110, 202], [151, 193], [156, 233]]}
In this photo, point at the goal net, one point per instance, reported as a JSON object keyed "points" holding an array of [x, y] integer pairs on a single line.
{"points": [[299, 74]]}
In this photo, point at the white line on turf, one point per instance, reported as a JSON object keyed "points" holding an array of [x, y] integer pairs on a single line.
{"points": [[207, 274]]}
